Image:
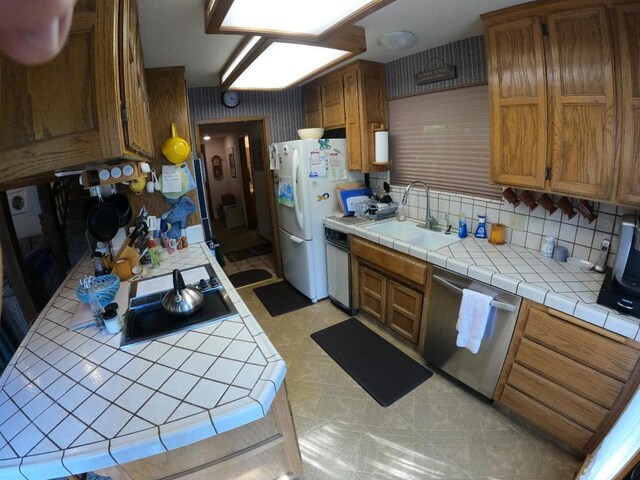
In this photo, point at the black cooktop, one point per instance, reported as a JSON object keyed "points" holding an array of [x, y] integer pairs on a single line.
{"points": [[147, 320]]}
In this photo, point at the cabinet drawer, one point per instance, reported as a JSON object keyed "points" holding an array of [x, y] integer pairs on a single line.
{"points": [[402, 265], [568, 404], [582, 380], [545, 418], [600, 353]]}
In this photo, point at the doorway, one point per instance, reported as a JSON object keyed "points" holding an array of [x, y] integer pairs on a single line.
{"points": [[240, 194]]}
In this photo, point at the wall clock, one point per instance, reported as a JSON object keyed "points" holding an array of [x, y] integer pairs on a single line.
{"points": [[230, 98]]}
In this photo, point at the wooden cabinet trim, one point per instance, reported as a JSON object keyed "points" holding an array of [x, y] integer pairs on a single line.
{"points": [[402, 265]]}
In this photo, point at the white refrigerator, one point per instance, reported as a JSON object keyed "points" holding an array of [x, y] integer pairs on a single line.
{"points": [[306, 174]]}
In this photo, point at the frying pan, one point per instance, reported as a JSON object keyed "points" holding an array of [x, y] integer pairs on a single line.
{"points": [[103, 221], [123, 207]]}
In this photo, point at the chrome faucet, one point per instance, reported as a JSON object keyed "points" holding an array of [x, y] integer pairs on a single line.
{"points": [[429, 222]]}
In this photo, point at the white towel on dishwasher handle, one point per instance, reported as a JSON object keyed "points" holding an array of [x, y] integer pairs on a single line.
{"points": [[475, 309]]}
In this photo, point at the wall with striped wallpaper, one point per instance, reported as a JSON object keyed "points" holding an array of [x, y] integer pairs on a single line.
{"points": [[284, 110], [467, 55]]}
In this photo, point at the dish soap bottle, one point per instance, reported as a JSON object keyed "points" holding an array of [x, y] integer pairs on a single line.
{"points": [[462, 227], [481, 230]]}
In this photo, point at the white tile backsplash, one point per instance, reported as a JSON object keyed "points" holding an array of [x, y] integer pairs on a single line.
{"points": [[526, 228]]}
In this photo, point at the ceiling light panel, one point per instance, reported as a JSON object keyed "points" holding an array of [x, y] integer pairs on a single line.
{"points": [[243, 53], [290, 16], [283, 64]]}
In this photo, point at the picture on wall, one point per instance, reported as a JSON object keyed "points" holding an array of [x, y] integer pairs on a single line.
{"points": [[216, 161], [232, 163]]}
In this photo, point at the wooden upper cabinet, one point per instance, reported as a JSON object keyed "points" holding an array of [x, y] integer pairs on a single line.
{"points": [[562, 85], [69, 112], [583, 102], [518, 103], [137, 128], [313, 107], [353, 98], [628, 27], [333, 103]]}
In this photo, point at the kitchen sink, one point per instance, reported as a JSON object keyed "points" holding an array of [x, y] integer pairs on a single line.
{"points": [[409, 232]]}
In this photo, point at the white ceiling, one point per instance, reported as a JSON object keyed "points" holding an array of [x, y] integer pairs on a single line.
{"points": [[173, 32]]}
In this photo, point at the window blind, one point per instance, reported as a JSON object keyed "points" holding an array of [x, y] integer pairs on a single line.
{"points": [[442, 139]]}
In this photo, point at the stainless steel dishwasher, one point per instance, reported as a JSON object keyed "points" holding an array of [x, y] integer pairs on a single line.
{"points": [[338, 269], [479, 371]]}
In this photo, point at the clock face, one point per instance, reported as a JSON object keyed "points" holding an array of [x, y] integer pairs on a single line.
{"points": [[230, 98]]}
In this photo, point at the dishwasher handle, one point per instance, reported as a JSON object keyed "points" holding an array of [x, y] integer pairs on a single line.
{"points": [[494, 303]]}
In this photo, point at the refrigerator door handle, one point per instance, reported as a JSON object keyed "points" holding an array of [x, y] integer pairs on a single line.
{"points": [[296, 206], [295, 239]]}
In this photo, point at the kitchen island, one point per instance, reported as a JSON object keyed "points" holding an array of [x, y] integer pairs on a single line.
{"points": [[204, 403]]}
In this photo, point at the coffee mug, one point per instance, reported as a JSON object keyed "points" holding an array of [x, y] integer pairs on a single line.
{"points": [[547, 203], [511, 197], [529, 200], [586, 211], [567, 207]]}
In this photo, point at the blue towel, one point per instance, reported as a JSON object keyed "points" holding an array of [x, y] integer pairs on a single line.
{"points": [[177, 216]]}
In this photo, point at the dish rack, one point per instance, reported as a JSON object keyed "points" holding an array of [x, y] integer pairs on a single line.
{"points": [[388, 212]]}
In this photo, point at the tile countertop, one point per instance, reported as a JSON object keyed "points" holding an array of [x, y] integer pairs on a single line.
{"points": [[517, 270], [72, 402]]}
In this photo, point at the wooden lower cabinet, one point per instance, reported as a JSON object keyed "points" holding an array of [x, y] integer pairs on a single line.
{"points": [[265, 449], [404, 310], [390, 287], [568, 377]]}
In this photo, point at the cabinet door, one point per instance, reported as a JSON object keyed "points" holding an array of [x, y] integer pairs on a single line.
{"points": [[404, 310], [333, 103], [518, 103], [628, 23], [373, 292], [582, 106], [313, 108], [137, 129], [353, 123]]}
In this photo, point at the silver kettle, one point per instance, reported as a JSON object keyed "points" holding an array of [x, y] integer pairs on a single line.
{"points": [[182, 300]]}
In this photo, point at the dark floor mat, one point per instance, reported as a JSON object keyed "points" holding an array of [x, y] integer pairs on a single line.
{"points": [[280, 298], [381, 369], [248, 252], [247, 277]]}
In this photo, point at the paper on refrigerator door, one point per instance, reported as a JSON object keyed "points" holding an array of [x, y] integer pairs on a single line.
{"points": [[337, 166], [317, 164], [285, 191]]}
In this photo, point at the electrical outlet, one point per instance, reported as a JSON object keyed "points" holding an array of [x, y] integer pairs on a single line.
{"points": [[519, 222]]}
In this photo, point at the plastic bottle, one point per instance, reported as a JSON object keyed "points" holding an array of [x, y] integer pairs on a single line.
{"points": [[462, 227], [155, 261], [481, 229]]}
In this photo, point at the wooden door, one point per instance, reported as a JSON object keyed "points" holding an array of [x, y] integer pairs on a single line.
{"points": [[628, 23], [373, 292], [136, 124], [333, 103], [353, 122], [247, 181], [404, 310], [518, 99], [580, 79], [313, 107]]}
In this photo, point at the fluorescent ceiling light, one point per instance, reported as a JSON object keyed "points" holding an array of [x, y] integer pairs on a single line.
{"points": [[283, 64], [206, 138], [243, 53], [293, 16]]}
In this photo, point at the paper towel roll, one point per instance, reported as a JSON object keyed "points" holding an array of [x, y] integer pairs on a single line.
{"points": [[382, 146]]}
